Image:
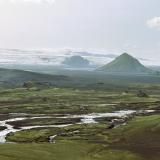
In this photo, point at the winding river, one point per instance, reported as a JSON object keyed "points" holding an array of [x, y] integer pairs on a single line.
{"points": [[85, 119]]}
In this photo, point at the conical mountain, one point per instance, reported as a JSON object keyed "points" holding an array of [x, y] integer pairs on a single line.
{"points": [[125, 63]]}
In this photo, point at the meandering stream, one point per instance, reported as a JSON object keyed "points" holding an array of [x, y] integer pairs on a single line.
{"points": [[85, 119]]}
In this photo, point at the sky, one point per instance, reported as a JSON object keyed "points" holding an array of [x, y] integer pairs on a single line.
{"points": [[98, 26]]}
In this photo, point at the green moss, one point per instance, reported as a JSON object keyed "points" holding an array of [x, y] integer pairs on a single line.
{"points": [[62, 150], [29, 136], [115, 155]]}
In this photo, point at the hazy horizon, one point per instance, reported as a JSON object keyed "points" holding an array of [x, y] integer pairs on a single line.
{"points": [[96, 26], [56, 57]]}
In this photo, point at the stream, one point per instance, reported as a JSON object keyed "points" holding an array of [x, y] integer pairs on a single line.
{"points": [[85, 119]]}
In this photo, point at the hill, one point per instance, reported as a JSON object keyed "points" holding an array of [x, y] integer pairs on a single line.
{"points": [[125, 63], [15, 78], [76, 61]]}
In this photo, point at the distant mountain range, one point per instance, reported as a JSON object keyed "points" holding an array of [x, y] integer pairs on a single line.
{"points": [[48, 76], [76, 61], [53, 57], [125, 63]]}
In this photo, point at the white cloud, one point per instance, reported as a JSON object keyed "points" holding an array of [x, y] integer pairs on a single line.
{"points": [[30, 1], [154, 23]]}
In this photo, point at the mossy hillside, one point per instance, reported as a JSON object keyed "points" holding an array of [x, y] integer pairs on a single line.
{"points": [[127, 64]]}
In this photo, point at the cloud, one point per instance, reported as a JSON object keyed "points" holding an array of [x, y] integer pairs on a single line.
{"points": [[154, 23], [84, 53], [30, 1]]}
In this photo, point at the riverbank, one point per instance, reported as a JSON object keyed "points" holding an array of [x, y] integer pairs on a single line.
{"points": [[95, 125]]}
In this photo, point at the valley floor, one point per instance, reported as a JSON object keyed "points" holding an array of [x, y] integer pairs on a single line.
{"points": [[72, 124]]}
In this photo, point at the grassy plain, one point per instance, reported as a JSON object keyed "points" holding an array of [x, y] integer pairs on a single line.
{"points": [[137, 140]]}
